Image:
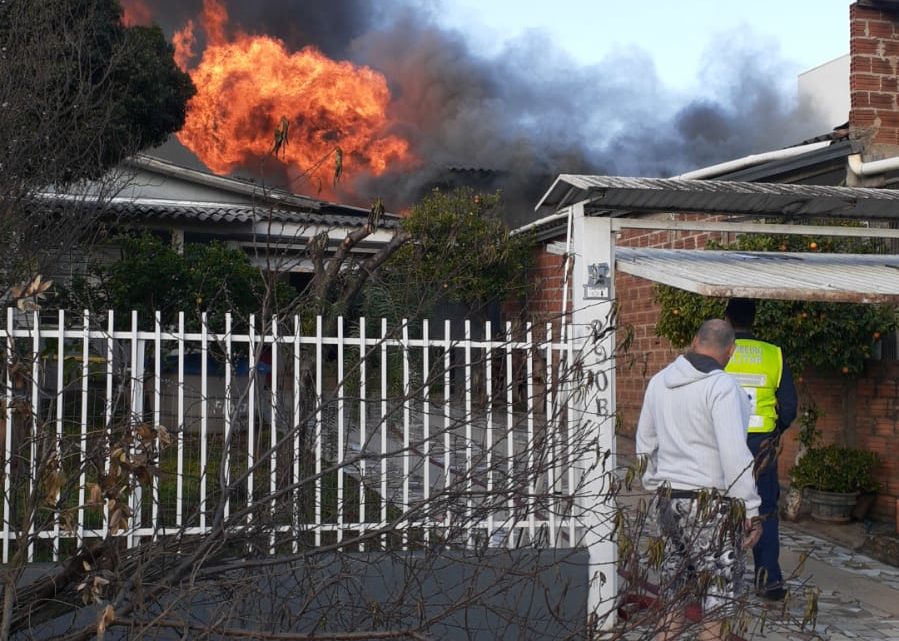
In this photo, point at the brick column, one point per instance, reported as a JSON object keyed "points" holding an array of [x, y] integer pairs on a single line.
{"points": [[874, 62]]}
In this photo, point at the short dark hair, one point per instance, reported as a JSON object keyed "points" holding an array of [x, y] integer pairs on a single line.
{"points": [[740, 312]]}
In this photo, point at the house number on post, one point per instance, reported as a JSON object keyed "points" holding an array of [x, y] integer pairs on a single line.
{"points": [[597, 287]]}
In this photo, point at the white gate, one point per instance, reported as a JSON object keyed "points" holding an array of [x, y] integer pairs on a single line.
{"points": [[368, 437]]}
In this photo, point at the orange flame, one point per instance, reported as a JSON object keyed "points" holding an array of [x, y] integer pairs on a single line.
{"points": [[135, 12], [249, 86], [183, 42]]}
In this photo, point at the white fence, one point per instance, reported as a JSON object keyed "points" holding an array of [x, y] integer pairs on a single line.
{"points": [[282, 436]]}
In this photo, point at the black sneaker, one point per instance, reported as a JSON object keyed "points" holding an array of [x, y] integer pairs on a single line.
{"points": [[774, 594]]}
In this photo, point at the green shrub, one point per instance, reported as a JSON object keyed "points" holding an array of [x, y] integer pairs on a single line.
{"points": [[836, 469]]}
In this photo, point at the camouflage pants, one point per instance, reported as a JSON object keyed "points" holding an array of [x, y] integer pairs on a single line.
{"points": [[703, 558]]}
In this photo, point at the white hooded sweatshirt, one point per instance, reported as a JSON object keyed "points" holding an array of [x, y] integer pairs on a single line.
{"points": [[692, 430]]}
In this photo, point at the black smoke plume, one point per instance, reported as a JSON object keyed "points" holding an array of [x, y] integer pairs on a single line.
{"points": [[516, 120]]}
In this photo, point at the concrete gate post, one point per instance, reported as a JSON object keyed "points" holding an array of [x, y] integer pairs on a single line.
{"points": [[592, 289]]}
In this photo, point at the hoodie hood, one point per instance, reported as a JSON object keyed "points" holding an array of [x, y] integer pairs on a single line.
{"points": [[682, 372]]}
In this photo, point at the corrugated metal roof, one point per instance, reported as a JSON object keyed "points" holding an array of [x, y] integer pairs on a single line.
{"points": [[157, 209], [613, 193], [847, 278], [219, 212], [231, 184]]}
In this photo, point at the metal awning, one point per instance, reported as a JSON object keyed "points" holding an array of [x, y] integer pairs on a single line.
{"points": [[615, 193], [841, 278]]}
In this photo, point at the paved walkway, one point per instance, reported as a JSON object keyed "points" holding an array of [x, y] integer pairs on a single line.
{"points": [[858, 597]]}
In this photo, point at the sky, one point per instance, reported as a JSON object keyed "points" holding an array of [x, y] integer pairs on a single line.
{"points": [[678, 35]]}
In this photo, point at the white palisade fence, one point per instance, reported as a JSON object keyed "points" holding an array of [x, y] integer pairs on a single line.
{"points": [[282, 435]]}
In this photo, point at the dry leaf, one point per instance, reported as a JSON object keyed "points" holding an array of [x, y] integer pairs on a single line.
{"points": [[52, 485], [118, 517], [143, 475], [107, 617], [165, 437], [94, 494], [29, 295], [69, 521], [145, 432]]}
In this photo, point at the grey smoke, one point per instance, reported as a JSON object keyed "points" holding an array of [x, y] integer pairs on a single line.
{"points": [[530, 113]]}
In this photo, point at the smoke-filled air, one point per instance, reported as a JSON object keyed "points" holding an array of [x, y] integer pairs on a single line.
{"points": [[350, 100]]}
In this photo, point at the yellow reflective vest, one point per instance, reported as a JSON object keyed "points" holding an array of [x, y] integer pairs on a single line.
{"points": [[758, 366]]}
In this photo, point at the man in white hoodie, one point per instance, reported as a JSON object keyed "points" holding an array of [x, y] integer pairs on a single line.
{"points": [[692, 437]]}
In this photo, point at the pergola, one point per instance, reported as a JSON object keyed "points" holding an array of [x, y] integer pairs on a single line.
{"points": [[589, 211]]}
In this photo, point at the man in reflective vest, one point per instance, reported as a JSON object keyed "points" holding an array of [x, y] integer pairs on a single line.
{"points": [[760, 369]]}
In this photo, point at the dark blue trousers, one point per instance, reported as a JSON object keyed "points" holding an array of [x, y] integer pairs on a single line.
{"points": [[766, 552]]}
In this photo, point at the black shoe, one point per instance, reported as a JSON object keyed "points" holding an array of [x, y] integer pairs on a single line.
{"points": [[774, 594]]}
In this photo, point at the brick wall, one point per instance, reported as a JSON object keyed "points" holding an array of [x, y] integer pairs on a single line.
{"points": [[861, 412], [874, 56], [544, 303], [548, 278], [875, 426], [870, 405], [638, 313]]}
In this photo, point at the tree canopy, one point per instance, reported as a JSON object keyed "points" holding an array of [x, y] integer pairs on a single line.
{"points": [[150, 276], [79, 91], [460, 251]]}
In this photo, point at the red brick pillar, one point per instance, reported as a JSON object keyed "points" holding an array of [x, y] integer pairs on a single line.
{"points": [[873, 67]]}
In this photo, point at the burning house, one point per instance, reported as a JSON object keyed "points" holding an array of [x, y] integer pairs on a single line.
{"points": [[396, 104]]}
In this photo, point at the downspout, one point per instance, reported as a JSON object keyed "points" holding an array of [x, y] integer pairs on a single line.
{"points": [[566, 269], [873, 167]]}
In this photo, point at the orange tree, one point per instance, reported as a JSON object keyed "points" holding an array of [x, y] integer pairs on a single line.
{"points": [[826, 336]]}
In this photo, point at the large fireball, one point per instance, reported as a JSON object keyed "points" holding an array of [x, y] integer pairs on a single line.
{"points": [[257, 102]]}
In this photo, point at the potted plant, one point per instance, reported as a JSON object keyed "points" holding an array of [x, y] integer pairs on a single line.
{"points": [[832, 478], [808, 435]]}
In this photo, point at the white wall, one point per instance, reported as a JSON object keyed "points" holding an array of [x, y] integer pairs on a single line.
{"points": [[826, 89]]}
